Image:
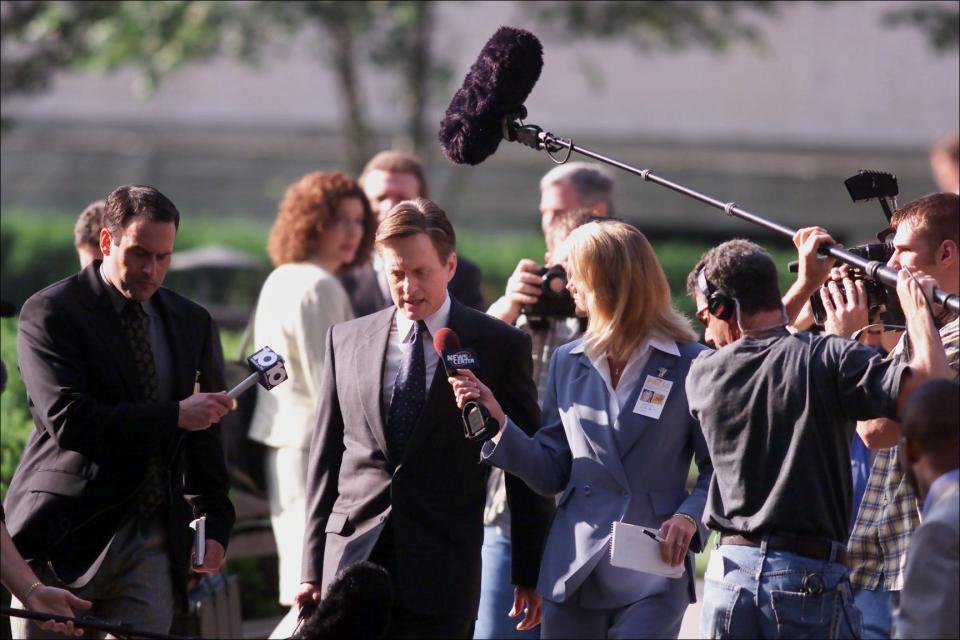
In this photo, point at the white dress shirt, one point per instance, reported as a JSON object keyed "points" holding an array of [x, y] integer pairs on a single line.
{"points": [[400, 341], [630, 377]]}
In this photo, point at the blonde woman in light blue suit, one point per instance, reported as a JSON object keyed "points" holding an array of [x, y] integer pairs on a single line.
{"points": [[616, 443]]}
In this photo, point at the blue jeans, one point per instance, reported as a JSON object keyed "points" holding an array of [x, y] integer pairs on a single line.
{"points": [[752, 592], [876, 607], [496, 591]]}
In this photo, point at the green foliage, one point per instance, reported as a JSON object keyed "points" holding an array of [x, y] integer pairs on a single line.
{"points": [[15, 421]]}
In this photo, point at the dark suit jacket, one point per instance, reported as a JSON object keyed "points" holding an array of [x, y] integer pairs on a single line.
{"points": [[435, 495], [366, 297], [94, 433]]}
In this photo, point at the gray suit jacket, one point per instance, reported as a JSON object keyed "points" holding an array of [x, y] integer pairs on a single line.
{"points": [[434, 495], [633, 471], [930, 600]]}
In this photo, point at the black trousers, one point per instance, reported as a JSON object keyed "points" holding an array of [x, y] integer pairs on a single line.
{"points": [[405, 623]]}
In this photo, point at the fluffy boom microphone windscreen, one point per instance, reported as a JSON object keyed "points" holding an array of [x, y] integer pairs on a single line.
{"points": [[495, 87]]}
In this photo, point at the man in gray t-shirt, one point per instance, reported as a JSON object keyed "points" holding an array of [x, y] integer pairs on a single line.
{"points": [[777, 412], [798, 478]]}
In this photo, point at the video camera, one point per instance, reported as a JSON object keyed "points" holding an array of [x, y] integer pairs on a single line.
{"points": [[554, 301], [864, 186]]}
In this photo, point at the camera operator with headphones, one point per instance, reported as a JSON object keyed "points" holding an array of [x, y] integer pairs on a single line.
{"points": [[536, 301], [777, 412]]}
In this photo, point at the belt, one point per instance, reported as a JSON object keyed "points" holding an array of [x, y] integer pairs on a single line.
{"points": [[815, 549]]}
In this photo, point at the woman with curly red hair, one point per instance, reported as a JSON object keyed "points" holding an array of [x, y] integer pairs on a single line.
{"points": [[323, 225]]}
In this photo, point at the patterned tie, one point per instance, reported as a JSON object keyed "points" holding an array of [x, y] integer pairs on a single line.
{"points": [[134, 321], [409, 390]]}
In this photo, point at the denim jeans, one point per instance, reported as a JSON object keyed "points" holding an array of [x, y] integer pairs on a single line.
{"points": [[496, 591], [752, 592], [876, 608]]}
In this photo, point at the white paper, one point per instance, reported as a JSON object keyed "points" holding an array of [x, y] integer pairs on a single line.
{"points": [[652, 397], [630, 548]]}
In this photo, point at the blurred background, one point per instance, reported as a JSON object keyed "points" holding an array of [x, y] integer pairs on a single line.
{"points": [[221, 105]]}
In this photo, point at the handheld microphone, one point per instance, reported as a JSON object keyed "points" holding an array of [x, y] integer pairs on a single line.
{"points": [[493, 92], [478, 424]]}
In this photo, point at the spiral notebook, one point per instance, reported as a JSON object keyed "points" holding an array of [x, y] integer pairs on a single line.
{"points": [[632, 547]]}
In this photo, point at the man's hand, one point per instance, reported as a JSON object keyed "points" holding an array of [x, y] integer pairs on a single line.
{"points": [[201, 410], [309, 593], [677, 532], [929, 359], [812, 272], [523, 288], [814, 268], [59, 602], [844, 316], [527, 601], [212, 559]]}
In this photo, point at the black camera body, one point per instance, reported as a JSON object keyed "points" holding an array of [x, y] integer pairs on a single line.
{"points": [[554, 301], [864, 186], [877, 295]]}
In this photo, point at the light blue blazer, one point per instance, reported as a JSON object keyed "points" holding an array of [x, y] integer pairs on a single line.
{"points": [[633, 471]]}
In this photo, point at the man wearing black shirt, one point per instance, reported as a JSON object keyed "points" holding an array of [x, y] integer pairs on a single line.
{"points": [[777, 411]]}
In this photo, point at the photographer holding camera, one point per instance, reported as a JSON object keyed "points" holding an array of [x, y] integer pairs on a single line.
{"points": [[926, 241], [536, 301]]}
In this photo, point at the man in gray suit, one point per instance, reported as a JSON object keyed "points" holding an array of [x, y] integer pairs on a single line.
{"points": [[391, 477], [930, 457]]}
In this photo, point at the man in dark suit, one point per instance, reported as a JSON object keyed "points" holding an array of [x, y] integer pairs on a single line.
{"points": [[391, 477], [119, 374], [388, 178]]}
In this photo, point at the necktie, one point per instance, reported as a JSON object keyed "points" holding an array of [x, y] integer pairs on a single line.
{"points": [[409, 391], [134, 322]]}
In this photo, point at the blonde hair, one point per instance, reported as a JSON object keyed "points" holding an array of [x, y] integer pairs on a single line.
{"points": [[629, 297]]}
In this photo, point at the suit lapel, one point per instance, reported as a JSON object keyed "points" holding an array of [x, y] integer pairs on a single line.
{"points": [[594, 419], [631, 425], [372, 348], [183, 373], [106, 325]]}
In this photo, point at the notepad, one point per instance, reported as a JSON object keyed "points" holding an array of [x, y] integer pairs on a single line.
{"points": [[631, 548]]}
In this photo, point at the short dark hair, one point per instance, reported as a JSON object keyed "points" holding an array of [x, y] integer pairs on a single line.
{"points": [[931, 419], [936, 217], [744, 270], [411, 217], [132, 201], [87, 229]]}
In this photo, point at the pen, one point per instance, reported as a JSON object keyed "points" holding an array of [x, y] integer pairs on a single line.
{"points": [[653, 535]]}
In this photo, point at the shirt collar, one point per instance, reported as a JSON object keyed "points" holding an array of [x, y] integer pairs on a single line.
{"points": [[117, 301], [938, 487], [434, 322], [657, 342]]}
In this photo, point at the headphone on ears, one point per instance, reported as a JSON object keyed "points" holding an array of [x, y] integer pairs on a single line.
{"points": [[719, 303]]}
